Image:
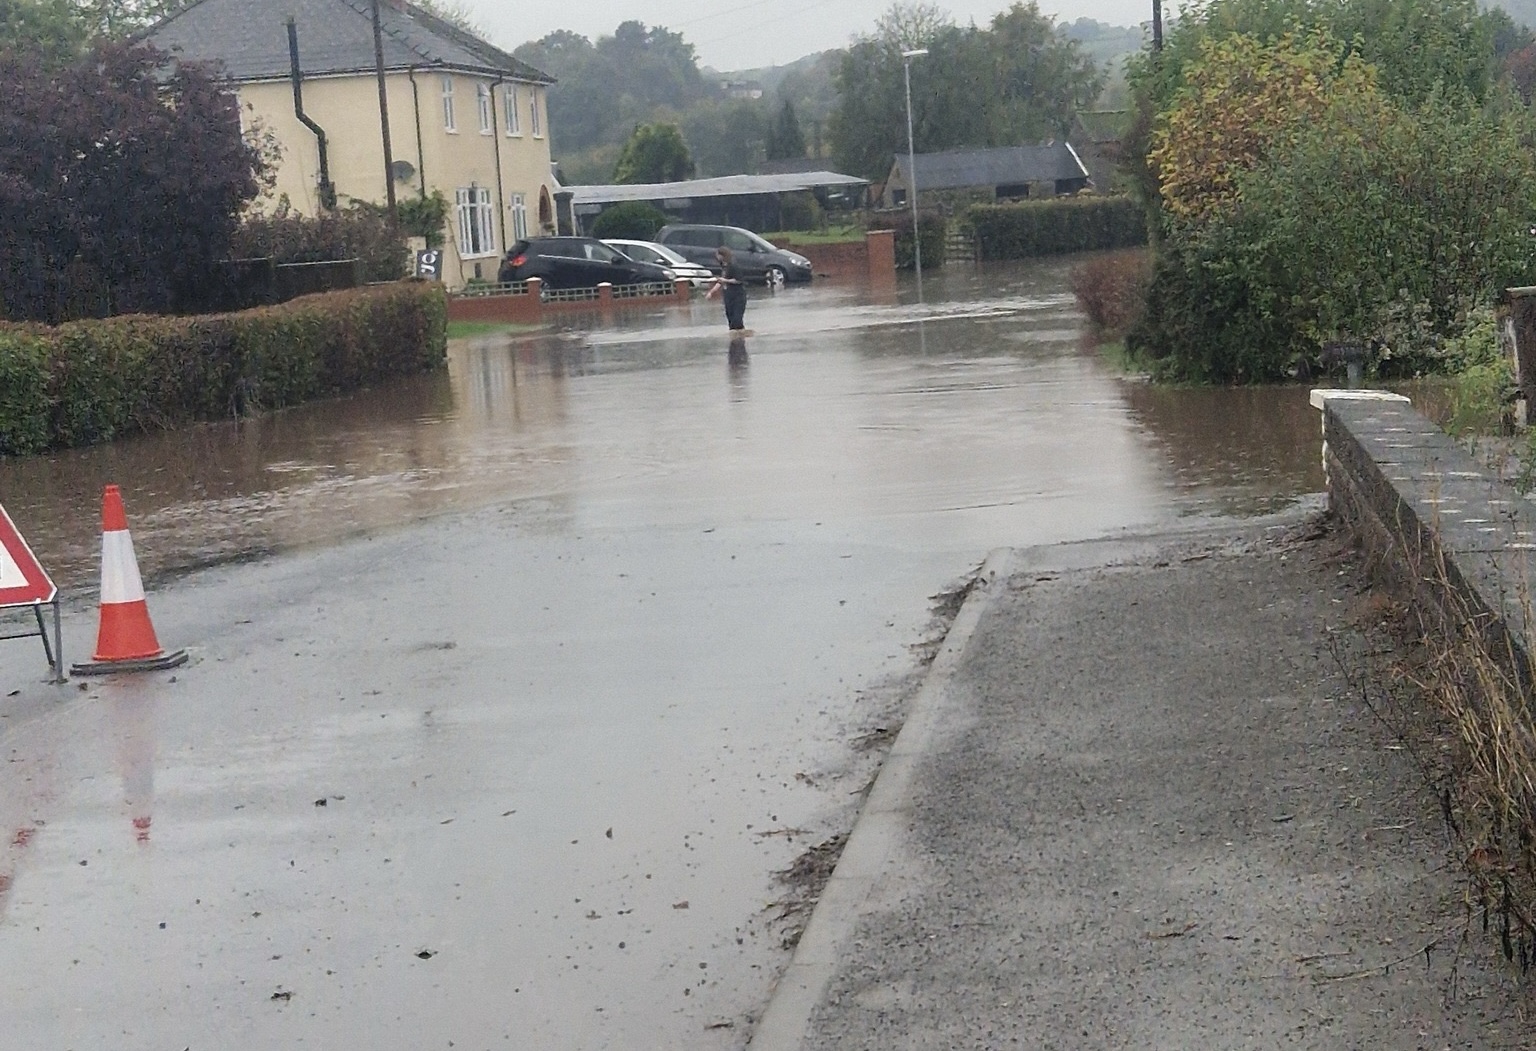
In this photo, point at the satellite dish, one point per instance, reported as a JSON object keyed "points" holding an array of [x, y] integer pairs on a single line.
{"points": [[403, 171]]}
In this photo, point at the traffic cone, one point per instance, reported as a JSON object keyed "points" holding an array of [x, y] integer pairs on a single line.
{"points": [[125, 639]]}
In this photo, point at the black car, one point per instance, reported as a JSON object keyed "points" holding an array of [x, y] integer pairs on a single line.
{"points": [[758, 260], [575, 262]]}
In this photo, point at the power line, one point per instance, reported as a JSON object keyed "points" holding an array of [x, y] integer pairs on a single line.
{"points": [[758, 25]]}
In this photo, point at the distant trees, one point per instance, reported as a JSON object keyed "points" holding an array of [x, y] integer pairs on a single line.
{"points": [[785, 139], [1017, 80], [637, 75], [122, 179], [654, 153]]}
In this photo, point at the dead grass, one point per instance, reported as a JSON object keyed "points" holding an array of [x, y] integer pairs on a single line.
{"points": [[1457, 693]]}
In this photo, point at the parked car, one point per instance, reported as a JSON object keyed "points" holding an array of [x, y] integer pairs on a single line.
{"points": [[575, 262], [758, 259], [662, 256]]}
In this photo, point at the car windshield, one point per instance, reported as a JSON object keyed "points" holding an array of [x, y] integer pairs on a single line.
{"points": [[663, 254]]}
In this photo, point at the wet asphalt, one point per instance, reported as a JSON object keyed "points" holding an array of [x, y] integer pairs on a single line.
{"points": [[1142, 802], [512, 688]]}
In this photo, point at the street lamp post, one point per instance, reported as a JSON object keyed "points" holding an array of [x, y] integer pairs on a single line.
{"points": [[917, 239]]}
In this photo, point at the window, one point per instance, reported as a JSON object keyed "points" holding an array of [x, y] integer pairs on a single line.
{"points": [[513, 105], [519, 217], [483, 98], [448, 122], [533, 115], [477, 235], [739, 242]]}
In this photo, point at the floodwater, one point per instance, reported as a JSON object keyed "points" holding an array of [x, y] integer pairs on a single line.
{"points": [[512, 686], [581, 411]]}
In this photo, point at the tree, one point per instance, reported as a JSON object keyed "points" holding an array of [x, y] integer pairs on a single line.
{"points": [[122, 179], [785, 139], [455, 12], [49, 29], [727, 137], [638, 75], [630, 220], [654, 153], [1240, 99], [1018, 80]]}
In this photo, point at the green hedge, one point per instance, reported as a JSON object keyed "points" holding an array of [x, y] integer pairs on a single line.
{"points": [[92, 381], [1067, 224], [934, 229]]}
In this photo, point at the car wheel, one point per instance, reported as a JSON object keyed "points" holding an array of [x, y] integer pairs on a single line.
{"points": [[774, 277]]}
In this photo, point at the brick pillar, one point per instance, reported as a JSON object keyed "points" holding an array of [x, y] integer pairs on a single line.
{"points": [[681, 289], [605, 294], [880, 245]]}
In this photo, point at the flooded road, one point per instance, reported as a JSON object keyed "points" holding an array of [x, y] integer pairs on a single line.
{"points": [[592, 411], [551, 660]]}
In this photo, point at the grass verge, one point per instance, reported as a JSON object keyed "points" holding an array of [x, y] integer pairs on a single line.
{"points": [[470, 329]]}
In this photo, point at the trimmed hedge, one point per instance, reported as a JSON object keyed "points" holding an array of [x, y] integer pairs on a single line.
{"points": [[1066, 224], [934, 228], [92, 381]]}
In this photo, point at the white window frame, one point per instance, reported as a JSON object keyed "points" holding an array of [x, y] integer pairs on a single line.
{"points": [[513, 106], [475, 221], [535, 124], [449, 124], [487, 118], [519, 217]]}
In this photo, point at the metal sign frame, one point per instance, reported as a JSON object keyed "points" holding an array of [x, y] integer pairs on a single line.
{"points": [[20, 552], [54, 653]]}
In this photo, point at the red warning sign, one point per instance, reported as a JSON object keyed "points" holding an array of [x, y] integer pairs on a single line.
{"points": [[22, 580]]}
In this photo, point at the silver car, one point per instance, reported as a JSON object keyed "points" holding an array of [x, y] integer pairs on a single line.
{"points": [[661, 255]]}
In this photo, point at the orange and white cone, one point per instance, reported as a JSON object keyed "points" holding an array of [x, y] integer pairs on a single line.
{"points": [[125, 639]]}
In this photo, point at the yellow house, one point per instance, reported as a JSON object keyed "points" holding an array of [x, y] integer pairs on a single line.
{"points": [[464, 117]]}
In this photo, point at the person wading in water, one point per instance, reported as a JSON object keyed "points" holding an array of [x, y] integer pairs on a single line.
{"points": [[734, 291]]}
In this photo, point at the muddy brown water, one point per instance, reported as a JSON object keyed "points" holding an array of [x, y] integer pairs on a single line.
{"points": [[579, 412], [620, 601]]}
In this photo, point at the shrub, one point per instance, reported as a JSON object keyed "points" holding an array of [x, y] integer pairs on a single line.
{"points": [[91, 381], [362, 233], [1111, 288], [933, 228], [1067, 224], [630, 220]]}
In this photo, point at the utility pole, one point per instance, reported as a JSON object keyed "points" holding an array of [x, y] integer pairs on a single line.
{"points": [[1157, 25], [389, 153]]}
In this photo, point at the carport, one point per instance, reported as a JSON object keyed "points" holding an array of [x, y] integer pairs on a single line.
{"points": [[753, 201]]}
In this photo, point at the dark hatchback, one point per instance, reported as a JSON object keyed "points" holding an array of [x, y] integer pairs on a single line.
{"points": [[575, 262]]}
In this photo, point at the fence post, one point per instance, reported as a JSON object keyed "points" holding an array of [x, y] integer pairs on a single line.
{"points": [[680, 287], [536, 291]]}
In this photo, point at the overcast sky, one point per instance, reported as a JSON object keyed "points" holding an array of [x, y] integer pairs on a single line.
{"points": [[737, 34]]}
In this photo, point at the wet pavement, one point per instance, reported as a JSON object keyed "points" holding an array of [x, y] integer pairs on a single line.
{"points": [[535, 670]]}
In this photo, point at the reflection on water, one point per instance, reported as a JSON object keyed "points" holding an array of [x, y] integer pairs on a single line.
{"points": [[622, 412], [1241, 450]]}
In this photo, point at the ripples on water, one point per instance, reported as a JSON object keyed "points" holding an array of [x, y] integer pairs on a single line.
{"points": [[596, 412]]}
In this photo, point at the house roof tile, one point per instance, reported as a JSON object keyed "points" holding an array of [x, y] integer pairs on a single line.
{"points": [[249, 39]]}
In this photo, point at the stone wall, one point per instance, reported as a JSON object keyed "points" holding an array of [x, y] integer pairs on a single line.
{"points": [[1438, 528]]}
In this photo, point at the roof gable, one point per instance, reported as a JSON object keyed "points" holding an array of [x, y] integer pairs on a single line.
{"points": [[249, 39], [1004, 166]]}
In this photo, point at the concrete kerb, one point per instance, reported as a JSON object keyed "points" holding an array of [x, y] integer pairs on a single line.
{"points": [[880, 822]]}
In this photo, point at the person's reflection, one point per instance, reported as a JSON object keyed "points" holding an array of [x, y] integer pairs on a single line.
{"points": [[736, 356]]}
